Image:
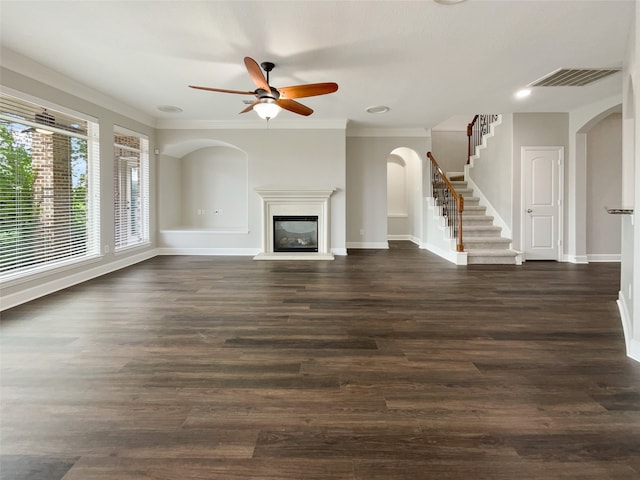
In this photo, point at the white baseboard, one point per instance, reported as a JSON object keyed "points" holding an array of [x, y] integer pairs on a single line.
{"points": [[579, 259], [339, 251], [210, 251], [632, 346], [458, 258], [633, 350], [399, 237], [46, 288], [602, 258]]}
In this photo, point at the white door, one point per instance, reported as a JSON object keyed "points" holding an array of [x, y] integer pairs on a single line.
{"points": [[541, 202]]}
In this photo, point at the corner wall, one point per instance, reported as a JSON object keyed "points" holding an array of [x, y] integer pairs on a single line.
{"points": [[630, 261]]}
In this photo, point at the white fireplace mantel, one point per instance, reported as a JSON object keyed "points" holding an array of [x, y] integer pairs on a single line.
{"points": [[295, 201]]}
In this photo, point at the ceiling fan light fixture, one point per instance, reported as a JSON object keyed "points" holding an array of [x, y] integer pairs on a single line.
{"points": [[169, 109], [267, 108]]}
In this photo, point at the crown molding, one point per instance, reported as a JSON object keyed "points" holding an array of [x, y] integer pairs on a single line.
{"points": [[389, 132], [254, 124], [27, 67]]}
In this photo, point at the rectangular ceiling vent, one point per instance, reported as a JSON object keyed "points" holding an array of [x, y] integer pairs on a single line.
{"points": [[573, 77]]}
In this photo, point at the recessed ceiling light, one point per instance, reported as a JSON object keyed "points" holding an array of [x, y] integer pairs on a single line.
{"points": [[377, 109], [448, 2], [525, 92], [169, 109]]}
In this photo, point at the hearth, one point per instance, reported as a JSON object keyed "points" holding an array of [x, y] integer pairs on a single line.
{"points": [[295, 233]]}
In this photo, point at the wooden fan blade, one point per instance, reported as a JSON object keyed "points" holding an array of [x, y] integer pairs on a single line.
{"points": [[309, 90], [256, 74], [222, 90], [294, 107], [250, 107]]}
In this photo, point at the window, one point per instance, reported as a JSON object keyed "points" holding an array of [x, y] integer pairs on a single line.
{"points": [[131, 184], [49, 187]]}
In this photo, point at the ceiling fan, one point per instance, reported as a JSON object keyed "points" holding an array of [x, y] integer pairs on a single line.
{"points": [[269, 100]]}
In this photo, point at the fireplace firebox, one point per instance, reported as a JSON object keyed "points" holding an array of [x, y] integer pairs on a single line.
{"points": [[295, 233]]}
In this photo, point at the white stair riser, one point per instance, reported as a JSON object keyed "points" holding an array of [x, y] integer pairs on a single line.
{"points": [[487, 231], [484, 244]]}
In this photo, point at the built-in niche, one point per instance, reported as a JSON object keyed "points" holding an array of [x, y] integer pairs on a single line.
{"points": [[207, 189]]}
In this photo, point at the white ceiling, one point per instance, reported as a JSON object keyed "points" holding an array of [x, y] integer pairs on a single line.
{"points": [[426, 61]]}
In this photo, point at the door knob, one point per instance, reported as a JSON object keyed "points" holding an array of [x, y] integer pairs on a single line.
{"points": [[529, 210]]}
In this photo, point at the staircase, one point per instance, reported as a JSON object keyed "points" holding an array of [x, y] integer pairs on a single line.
{"points": [[483, 241]]}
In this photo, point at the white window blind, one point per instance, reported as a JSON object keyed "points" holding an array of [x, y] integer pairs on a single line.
{"points": [[131, 188], [49, 187]]}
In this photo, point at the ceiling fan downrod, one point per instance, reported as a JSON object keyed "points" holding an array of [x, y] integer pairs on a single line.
{"points": [[267, 67]]}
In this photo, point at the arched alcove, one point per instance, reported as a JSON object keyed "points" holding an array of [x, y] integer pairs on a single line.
{"points": [[592, 190], [396, 186], [214, 189], [404, 195], [203, 185], [604, 187]]}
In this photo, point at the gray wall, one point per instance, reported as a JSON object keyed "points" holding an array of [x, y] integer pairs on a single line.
{"points": [[450, 149], [536, 130], [367, 179], [604, 186]]}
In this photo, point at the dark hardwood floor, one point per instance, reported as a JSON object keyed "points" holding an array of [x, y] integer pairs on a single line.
{"points": [[380, 365]]}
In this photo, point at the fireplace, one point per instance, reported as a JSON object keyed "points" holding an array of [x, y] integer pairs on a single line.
{"points": [[295, 223], [295, 233]]}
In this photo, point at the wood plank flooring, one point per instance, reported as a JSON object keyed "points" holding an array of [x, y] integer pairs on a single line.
{"points": [[380, 365]]}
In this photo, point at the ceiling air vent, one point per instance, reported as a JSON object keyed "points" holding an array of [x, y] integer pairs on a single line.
{"points": [[573, 77]]}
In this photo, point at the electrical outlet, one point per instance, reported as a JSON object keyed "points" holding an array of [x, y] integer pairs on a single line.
{"points": [[362, 231], [106, 248]]}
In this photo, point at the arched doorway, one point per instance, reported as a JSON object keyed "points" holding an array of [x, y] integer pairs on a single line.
{"points": [[404, 195]]}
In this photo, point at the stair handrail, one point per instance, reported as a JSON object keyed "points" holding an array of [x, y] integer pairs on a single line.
{"points": [[443, 192], [477, 129]]}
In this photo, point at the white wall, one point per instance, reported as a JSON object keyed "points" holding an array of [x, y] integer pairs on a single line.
{"points": [[36, 85], [367, 179], [604, 186], [275, 158], [630, 262]]}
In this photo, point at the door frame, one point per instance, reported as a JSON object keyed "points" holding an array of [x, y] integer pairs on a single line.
{"points": [[559, 247]]}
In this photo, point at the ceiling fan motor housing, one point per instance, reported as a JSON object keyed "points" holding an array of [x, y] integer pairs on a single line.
{"points": [[267, 66], [274, 93]]}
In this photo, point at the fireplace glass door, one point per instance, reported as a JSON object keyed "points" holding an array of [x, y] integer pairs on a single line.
{"points": [[295, 233]]}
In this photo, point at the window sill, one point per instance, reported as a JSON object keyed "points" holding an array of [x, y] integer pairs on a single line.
{"points": [[208, 231], [48, 270]]}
